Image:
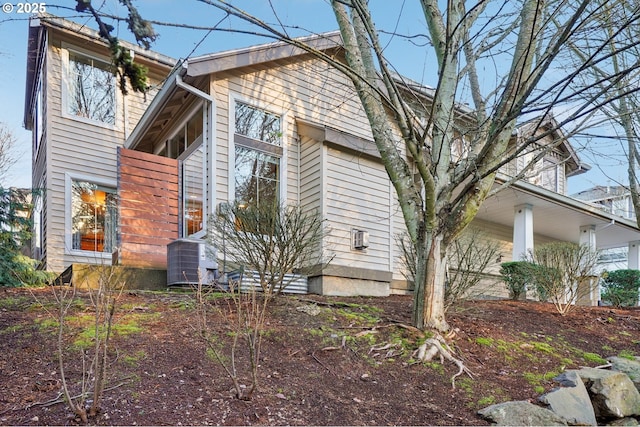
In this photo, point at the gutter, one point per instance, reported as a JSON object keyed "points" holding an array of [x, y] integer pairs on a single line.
{"points": [[194, 90]]}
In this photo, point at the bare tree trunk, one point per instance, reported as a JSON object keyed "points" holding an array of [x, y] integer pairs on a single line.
{"points": [[429, 307]]}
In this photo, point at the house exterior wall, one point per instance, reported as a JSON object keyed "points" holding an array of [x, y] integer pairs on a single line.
{"points": [[350, 190], [75, 148]]}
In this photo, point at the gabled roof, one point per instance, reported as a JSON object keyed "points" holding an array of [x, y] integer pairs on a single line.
{"points": [[178, 84], [549, 124], [36, 47]]}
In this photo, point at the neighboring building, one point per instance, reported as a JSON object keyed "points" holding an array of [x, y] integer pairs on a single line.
{"points": [[266, 122], [615, 199]]}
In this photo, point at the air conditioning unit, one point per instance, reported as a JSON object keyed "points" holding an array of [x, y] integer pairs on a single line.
{"points": [[360, 239], [185, 257]]}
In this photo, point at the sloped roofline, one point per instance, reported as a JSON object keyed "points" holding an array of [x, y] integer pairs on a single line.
{"points": [[552, 124], [225, 61], [259, 54]]}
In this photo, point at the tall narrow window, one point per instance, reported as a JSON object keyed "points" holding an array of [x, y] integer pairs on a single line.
{"points": [[258, 152], [193, 193], [94, 217], [91, 90]]}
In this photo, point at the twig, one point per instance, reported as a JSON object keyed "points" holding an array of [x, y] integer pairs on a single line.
{"points": [[58, 398], [321, 364]]}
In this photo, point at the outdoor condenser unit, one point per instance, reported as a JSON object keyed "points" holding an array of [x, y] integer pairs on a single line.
{"points": [[185, 257]]}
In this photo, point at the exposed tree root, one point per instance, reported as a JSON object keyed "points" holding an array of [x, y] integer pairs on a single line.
{"points": [[437, 346]]}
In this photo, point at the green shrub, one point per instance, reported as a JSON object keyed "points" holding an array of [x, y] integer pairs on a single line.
{"points": [[620, 287], [17, 269], [516, 275]]}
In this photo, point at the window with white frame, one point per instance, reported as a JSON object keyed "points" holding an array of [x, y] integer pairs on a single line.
{"points": [[91, 89], [258, 152], [94, 217], [193, 193]]}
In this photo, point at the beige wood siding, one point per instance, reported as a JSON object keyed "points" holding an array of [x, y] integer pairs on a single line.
{"points": [[311, 174], [357, 197], [308, 90], [77, 149]]}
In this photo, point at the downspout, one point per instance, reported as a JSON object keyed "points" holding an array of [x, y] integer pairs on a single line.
{"points": [[193, 90]]}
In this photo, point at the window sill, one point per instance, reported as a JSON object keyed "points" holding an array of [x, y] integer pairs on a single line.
{"points": [[91, 122], [90, 254]]}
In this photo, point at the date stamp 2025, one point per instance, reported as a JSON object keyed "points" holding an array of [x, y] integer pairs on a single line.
{"points": [[21, 8]]}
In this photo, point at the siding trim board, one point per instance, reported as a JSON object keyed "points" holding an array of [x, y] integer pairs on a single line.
{"points": [[338, 139]]}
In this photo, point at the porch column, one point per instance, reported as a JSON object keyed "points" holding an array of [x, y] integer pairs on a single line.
{"points": [[588, 236], [522, 231], [633, 260], [588, 288]]}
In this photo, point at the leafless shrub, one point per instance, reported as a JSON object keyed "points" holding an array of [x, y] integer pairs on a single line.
{"points": [[271, 240], [563, 272], [245, 312], [109, 283], [469, 258]]}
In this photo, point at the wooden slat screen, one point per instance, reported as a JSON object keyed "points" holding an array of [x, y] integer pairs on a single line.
{"points": [[148, 208]]}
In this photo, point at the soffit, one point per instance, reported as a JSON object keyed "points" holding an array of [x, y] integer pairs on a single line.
{"points": [[558, 217]]}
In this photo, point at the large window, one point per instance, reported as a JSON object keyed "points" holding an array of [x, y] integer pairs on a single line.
{"points": [[258, 151], [91, 91], [93, 217]]}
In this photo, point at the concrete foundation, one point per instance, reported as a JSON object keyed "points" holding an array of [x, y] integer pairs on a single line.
{"points": [[342, 286], [89, 276]]}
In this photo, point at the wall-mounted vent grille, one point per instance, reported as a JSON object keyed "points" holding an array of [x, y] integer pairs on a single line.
{"points": [[360, 239], [185, 257]]}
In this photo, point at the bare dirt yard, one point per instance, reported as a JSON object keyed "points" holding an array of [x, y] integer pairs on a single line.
{"points": [[348, 362]]}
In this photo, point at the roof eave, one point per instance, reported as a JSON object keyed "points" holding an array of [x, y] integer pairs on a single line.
{"points": [[35, 51], [260, 54], [572, 203], [153, 110]]}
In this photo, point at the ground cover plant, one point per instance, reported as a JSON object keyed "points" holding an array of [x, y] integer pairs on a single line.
{"points": [[323, 361]]}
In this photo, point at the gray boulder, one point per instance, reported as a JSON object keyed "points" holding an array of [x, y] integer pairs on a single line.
{"points": [[624, 422], [520, 413], [572, 401], [613, 394], [628, 366]]}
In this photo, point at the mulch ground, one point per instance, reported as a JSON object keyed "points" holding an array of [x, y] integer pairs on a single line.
{"points": [[346, 362]]}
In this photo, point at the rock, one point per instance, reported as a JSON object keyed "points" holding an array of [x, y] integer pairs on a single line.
{"points": [[628, 366], [520, 413], [624, 422], [310, 309], [613, 394], [571, 402]]}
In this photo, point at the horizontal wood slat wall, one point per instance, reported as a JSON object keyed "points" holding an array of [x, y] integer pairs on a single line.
{"points": [[148, 208]]}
